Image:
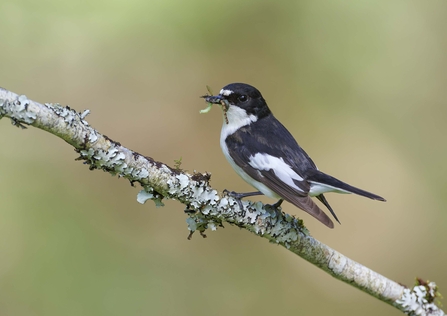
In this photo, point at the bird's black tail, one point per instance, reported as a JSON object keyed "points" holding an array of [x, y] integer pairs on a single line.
{"points": [[324, 179]]}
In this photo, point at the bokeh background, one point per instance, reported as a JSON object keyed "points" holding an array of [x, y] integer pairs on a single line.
{"points": [[361, 84]]}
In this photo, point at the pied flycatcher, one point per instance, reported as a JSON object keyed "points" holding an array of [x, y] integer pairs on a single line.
{"points": [[263, 152]]}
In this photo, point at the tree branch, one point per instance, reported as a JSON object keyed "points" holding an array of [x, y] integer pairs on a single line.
{"points": [[206, 208]]}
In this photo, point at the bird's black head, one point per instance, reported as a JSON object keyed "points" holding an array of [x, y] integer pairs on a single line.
{"points": [[241, 95]]}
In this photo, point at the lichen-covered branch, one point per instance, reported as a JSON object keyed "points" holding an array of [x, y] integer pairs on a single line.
{"points": [[207, 208]]}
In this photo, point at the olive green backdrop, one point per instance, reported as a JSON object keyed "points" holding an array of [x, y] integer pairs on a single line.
{"points": [[361, 84]]}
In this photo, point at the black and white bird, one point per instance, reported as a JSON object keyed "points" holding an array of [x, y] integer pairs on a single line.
{"points": [[264, 153]]}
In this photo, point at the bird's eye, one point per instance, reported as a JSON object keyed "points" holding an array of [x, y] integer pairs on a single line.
{"points": [[243, 98]]}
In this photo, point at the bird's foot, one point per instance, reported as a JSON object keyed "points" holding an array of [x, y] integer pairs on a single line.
{"points": [[239, 196]]}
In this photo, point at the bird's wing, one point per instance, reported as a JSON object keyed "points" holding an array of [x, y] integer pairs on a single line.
{"points": [[285, 146], [266, 165]]}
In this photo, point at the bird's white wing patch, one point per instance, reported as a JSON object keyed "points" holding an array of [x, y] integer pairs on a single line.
{"points": [[258, 185], [281, 169], [319, 188]]}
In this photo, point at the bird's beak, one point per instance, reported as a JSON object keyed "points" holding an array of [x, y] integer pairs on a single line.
{"points": [[214, 99], [217, 99]]}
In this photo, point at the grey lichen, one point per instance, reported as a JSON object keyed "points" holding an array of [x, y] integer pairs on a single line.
{"points": [[212, 210], [66, 113], [84, 114], [18, 111], [255, 217], [420, 300]]}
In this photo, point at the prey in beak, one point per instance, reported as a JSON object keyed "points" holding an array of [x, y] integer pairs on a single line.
{"points": [[216, 99]]}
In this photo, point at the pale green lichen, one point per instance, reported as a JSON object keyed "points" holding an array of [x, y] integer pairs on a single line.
{"points": [[254, 216], [22, 112], [70, 116], [143, 196], [18, 111], [148, 194]]}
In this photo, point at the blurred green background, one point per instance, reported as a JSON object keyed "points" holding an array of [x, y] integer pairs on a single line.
{"points": [[361, 84]]}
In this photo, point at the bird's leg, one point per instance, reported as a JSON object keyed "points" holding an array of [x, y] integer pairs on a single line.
{"points": [[277, 204], [276, 207], [242, 195], [239, 196]]}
